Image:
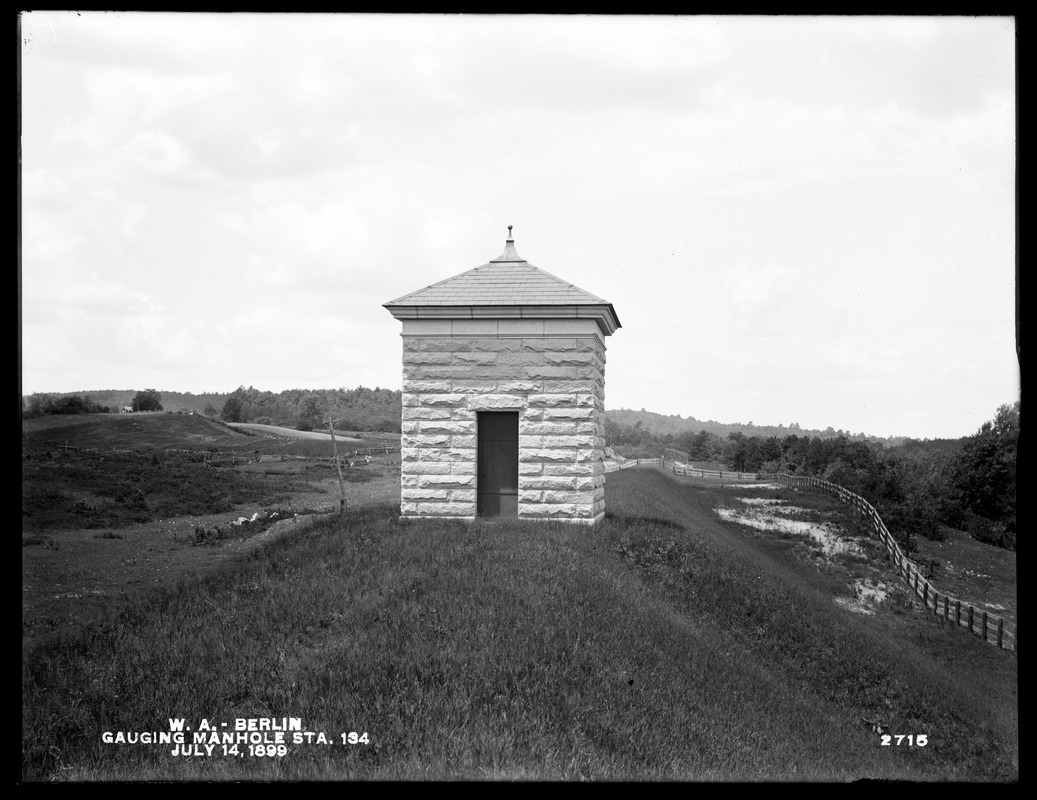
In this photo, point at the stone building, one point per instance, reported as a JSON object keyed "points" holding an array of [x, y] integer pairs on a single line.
{"points": [[503, 395]]}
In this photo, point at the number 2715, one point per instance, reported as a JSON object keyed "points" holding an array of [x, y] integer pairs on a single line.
{"points": [[921, 740]]}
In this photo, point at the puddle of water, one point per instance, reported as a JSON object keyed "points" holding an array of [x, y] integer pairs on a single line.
{"points": [[759, 501], [753, 486], [770, 520], [866, 595]]}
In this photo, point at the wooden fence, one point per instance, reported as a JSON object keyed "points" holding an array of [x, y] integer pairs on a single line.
{"points": [[688, 471], [991, 627], [632, 462]]}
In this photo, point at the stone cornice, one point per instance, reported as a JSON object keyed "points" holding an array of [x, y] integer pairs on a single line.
{"points": [[604, 315]]}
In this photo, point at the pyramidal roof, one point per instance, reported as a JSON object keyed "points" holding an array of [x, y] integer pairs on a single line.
{"points": [[508, 282]]}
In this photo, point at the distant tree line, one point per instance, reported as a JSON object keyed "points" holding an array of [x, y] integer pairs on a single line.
{"points": [[918, 487], [359, 409], [676, 425], [40, 404]]}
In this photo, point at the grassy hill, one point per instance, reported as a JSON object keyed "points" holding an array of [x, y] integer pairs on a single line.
{"points": [[140, 431], [661, 644]]}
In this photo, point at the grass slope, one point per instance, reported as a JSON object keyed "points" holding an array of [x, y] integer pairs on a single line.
{"points": [[657, 645], [139, 431]]}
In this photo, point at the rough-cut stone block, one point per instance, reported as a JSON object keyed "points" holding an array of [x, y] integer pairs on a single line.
{"points": [[563, 497], [547, 456], [551, 344], [447, 426], [545, 482], [438, 359], [411, 387], [425, 493], [574, 359], [447, 454], [547, 428], [462, 495], [470, 386], [572, 413], [553, 386], [517, 361], [428, 400], [573, 468], [500, 345], [428, 440], [443, 509], [518, 387], [530, 468], [546, 371], [549, 510], [446, 481], [474, 358], [495, 402], [464, 441], [540, 399], [415, 468], [411, 413], [567, 441]]}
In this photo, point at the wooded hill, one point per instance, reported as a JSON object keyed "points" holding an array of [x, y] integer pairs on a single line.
{"points": [[660, 425]]}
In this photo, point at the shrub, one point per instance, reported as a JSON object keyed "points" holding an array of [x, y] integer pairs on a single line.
{"points": [[990, 532]]}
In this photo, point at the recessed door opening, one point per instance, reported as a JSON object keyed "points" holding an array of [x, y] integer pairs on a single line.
{"points": [[497, 488]]}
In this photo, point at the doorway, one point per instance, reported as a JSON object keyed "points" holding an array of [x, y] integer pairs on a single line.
{"points": [[497, 488]]}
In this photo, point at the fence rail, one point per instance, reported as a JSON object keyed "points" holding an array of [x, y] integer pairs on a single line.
{"points": [[679, 468], [631, 462], [978, 621]]}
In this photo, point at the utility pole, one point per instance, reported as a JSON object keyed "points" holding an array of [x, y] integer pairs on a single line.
{"points": [[338, 466]]}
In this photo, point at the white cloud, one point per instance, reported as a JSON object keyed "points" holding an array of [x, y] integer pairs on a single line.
{"points": [[232, 195]]}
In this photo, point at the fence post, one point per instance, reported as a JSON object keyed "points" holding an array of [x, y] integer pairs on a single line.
{"points": [[946, 615], [957, 622], [1000, 633], [984, 625], [972, 613]]}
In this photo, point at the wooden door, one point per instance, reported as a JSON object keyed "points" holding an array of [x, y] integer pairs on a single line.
{"points": [[497, 489]]}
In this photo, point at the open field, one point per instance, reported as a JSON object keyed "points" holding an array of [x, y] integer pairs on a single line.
{"points": [[101, 529], [277, 430], [665, 643]]}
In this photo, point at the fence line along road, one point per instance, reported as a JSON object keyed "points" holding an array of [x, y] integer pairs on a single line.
{"points": [[980, 622], [632, 462]]}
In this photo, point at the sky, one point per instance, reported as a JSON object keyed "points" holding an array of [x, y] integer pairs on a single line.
{"points": [[798, 219]]}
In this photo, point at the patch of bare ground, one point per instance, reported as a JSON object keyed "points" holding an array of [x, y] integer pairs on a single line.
{"points": [[826, 536]]}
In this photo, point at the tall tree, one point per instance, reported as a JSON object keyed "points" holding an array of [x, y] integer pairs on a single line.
{"points": [[147, 400]]}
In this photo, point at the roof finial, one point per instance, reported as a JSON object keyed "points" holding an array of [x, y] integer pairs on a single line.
{"points": [[509, 233]]}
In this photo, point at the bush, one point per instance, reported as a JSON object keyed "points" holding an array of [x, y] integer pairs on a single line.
{"points": [[990, 532], [910, 519]]}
